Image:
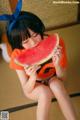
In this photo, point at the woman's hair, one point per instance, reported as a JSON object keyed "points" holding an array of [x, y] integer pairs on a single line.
{"points": [[20, 28]]}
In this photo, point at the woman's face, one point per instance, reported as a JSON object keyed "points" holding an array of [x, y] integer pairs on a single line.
{"points": [[32, 41]]}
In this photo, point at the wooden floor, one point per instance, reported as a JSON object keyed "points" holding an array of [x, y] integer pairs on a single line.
{"points": [[11, 93]]}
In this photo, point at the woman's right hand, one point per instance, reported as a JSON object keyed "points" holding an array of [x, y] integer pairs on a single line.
{"points": [[31, 71]]}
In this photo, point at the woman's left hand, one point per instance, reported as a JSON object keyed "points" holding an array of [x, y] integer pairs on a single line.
{"points": [[57, 56]]}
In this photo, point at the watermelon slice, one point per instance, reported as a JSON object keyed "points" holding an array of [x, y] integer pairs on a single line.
{"points": [[40, 53]]}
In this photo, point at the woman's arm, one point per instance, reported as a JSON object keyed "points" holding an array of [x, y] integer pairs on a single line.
{"points": [[61, 72], [27, 81], [22, 77], [59, 62]]}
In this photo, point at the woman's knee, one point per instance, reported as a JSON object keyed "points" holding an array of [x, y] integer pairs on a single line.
{"points": [[56, 84], [45, 93], [40, 92]]}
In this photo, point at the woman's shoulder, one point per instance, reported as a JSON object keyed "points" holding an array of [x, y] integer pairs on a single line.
{"points": [[16, 52], [12, 64]]}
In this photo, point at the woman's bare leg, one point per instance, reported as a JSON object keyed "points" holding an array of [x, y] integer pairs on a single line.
{"points": [[63, 99], [43, 95]]}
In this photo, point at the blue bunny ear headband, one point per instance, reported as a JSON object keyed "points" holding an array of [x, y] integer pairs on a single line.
{"points": [[13, 17]]}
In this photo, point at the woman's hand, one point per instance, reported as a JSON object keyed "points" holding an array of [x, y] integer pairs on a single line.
{"points": [[31, 71], [60, 72], [57, 56]]}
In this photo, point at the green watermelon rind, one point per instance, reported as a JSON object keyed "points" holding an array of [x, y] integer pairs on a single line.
{"points": [[43, 60]]}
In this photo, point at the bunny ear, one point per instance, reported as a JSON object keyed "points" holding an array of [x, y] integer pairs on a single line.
{"points": [[5, 17], [18, 9], [14, 16]]}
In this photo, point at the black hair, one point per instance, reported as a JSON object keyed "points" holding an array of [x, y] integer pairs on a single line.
{"points": [[19, 30]]}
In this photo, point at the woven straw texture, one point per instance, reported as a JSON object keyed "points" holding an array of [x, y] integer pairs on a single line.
{"points": [[51, 14]]}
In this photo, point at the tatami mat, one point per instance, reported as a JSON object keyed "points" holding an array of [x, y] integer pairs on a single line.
{"points": [[11, 93], [55, 112]]}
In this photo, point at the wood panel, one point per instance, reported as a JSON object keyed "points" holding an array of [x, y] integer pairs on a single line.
{"points": [[13, 4]]}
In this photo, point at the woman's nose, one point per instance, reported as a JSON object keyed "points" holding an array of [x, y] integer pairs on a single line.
{"points": [[32, 41]]}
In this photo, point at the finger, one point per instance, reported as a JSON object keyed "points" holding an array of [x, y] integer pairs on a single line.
{"points": [[58, 54], [33, 68], [33, 71], [54, 58], [58, 51], [37, 67], [59, 47], [28, 70]]}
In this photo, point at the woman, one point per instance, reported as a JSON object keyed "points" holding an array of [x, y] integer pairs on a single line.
{"points": [[26, 32]]}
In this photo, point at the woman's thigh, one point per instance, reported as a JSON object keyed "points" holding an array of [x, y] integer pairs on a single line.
{"points": [[56, 85], [40, 89]]}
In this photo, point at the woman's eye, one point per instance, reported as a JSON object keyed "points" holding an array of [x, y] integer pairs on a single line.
{"points": [[25, 41], [34, 35]]}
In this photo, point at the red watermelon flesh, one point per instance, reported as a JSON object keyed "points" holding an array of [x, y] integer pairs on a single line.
{"points": [[40, 53]]}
